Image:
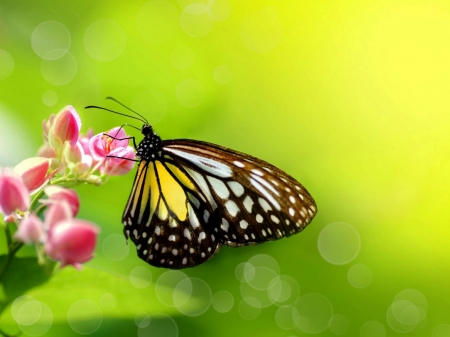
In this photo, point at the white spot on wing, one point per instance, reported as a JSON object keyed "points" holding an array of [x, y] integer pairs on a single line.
{"points": [[193, 217], [224, 225], [264, 204], [248, 203], [266, 184], [275, 219], [231, 207], [201, 236], [258, 172], [238, 163], [259, 218], [172, 237], [265, 193], [201, 182], [187, 234], [243, 224], [207, 164], [219, 187], [291, 211], [236, 187]]}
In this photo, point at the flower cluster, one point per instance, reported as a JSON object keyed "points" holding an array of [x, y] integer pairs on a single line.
{"points": [[34, 195]]}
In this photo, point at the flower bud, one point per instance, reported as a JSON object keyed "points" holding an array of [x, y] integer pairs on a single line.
{"points": [[34, 172], [46, 126], [31, 229], [76, 159], [66, 127], [56, 212], [57, 194], [72, 242], [14, 194]]}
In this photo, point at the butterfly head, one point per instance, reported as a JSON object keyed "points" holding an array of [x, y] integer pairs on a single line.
{"points": [[150, 147]]}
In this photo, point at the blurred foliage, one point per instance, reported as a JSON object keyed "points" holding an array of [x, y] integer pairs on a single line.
{"points": [[349, 97]]}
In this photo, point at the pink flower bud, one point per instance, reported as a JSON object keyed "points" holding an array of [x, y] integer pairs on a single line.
{"points": [[66, 127], [46, 126], [31, 229], [46, 151], [76, 159], [34, 172], [101, 145], [56, 212], [14, 195], [57, 194], [72, 242], [120, 162]]}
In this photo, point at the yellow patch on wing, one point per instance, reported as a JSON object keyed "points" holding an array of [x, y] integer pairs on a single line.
{"points": [[154, 190], [172, 191], [181, 176], [137, 188]]}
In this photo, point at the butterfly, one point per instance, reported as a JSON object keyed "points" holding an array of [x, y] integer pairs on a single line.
{"points": [[191, 197]]}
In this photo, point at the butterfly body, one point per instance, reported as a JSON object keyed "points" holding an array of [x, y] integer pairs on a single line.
{"points": [[191, 197]]}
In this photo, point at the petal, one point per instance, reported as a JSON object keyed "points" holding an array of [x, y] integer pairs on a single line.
{"points": [[121, 165], [31, 229], [97, 147], [57, 212], [13, 192], [57, 194], [34, 172]]}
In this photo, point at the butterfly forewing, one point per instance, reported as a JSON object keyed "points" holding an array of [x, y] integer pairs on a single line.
{"points": [[252, 200]]}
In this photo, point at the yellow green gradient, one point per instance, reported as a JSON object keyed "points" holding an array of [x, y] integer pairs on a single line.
{"points": [[352, 98]]}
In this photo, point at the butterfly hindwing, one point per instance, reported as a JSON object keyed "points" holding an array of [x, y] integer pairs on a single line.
{"points": [[166, 218]]}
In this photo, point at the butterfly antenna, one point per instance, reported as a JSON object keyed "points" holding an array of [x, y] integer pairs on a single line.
{"points": [[115, 100], [142, 119]]}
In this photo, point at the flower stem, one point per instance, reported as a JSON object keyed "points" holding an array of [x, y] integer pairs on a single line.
{"points": [[13, 247]]}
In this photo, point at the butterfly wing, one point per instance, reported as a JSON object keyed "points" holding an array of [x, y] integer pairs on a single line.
{"points": [[251, 200], [167, 219]]}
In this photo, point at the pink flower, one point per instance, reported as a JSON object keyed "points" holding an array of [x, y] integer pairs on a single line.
{"points": [[14, 194], [72, 242], [34, 172], [65, 127], [57, 194], [84, 141], [120, 162], [31, 229], [56, 212], [101, 145]]}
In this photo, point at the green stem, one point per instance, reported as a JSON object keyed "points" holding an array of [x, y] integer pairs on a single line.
{"points": [[36, 199], [13, 247]]}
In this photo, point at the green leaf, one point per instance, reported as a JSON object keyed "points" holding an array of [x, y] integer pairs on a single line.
{"points": [[86, 297], [21, 275]]}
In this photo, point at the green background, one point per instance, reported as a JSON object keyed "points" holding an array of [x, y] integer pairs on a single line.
{"points": [[349, 97]]}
